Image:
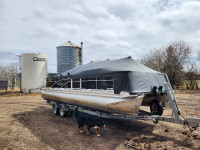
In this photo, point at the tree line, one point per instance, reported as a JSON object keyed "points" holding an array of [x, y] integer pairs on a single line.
{"points": [[175, 61], [9, 73]]}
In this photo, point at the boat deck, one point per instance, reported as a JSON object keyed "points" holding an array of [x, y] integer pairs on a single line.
{"points": [[91, 92]]}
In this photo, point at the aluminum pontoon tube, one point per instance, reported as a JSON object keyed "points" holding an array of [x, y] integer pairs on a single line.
{"points": [[98, 100]]}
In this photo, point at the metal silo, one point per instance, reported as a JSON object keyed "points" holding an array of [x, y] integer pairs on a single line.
{"points": [[69, 56], [34, 71]]}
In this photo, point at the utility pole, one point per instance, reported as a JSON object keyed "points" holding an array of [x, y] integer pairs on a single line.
{"points": [[20, 74]]}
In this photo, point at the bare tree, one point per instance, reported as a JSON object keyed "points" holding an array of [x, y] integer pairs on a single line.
{"points": [[169, 60], [8, 72], [12, 69], [155, 59], [191, 77], [3, 73], [177, 55]]}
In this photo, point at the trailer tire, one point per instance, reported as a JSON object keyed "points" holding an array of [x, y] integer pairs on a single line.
{"points": [[63, 110], [156, 108], [55, 108]]}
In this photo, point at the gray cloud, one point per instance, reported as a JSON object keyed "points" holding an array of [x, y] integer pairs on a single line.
{"points": [[162, 5], [122, 11], [6, 56]]}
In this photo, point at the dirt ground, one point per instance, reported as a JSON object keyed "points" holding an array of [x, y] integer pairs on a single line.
{"points": [[27, 122]]}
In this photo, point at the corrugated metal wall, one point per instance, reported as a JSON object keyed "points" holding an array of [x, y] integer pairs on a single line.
{"points": [[67, 58]]}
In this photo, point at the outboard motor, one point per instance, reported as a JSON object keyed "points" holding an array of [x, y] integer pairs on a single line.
{"points": [[158, 91]]}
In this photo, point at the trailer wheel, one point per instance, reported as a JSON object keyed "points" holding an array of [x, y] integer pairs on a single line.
{"points": [[62, 110], [55, 109], [156, 108]]}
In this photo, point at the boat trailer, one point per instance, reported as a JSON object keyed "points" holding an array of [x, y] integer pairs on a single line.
{"points": [[191, 122]]}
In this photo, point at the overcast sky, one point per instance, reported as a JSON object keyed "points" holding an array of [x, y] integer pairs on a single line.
{"points": [[108, 28]]}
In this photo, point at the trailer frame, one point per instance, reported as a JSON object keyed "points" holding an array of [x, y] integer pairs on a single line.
{"points": [[176, 117]]}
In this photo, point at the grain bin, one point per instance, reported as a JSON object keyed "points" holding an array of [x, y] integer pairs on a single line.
{"points": [[34, 71], [69, 56]]}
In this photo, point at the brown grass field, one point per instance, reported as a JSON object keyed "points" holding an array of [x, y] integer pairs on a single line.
{"points": [[27, 122]]}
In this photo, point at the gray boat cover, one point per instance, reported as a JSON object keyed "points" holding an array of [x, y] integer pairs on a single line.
{"points": [[129, 74]]}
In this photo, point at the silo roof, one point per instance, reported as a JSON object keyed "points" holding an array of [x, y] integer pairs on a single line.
{"points": [[69, 44]]}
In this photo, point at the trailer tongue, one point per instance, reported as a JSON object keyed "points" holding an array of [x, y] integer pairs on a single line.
{"points": [[191, 122]]}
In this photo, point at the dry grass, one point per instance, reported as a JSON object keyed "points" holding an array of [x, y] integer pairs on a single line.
{"points": [[16, 93]]}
